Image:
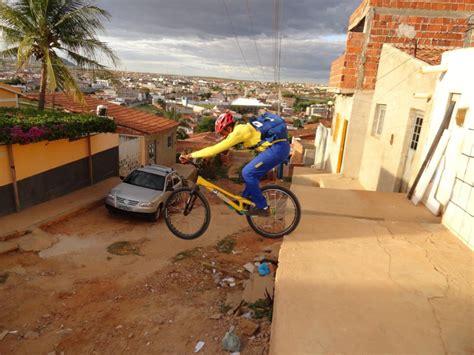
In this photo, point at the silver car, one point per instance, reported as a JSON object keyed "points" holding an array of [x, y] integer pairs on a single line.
{"points": [[144, 191]]}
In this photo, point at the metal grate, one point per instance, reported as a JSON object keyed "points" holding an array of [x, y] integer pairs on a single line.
{"points": [[416, 132], [125, 201]]}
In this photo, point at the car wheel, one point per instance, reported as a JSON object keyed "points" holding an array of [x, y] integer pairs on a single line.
{"points": [[154, 217]]}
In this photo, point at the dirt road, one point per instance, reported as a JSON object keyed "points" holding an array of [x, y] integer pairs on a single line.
{"points": [[78, 298]]}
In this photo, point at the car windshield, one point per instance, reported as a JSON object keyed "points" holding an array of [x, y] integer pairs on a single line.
{"points": [[147, 180]]}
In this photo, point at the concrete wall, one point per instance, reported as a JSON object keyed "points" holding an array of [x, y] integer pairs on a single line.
{"points": [[357, 128], [399, 78], [164, 155], [342, 111], [456, 187]]}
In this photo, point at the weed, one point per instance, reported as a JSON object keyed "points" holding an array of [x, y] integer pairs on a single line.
{"points": [[123, 248], [226, 245], [263, 308], [185, 254]]}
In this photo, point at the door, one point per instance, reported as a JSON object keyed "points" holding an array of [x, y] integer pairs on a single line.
{"points": [[412, 147]]}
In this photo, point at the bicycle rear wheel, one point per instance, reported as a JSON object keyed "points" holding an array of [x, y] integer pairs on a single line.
{"points": [[285, 213], [187, 213]]}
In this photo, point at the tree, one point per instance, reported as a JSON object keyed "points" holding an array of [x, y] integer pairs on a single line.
{"points": [[41, 29], [183, 122], [206, 125], [297, 123]]}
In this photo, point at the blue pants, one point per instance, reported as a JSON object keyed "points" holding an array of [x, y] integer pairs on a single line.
{"points": [[258, 167]]}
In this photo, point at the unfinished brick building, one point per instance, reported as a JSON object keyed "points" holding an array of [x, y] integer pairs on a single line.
{"points": [[443, 23], [416, 27]]}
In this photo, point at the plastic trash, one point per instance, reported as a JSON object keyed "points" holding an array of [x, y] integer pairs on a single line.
{"points": [[231, 342], [199, 346], [263, 269]]}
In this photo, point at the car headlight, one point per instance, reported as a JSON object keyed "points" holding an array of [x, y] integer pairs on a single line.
{"points": [[145, 204], [112, 196]]}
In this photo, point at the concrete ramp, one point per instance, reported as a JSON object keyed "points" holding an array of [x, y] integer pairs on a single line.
{"points": [[369, 273]]}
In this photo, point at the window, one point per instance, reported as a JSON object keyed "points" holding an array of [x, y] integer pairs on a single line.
{"points": [[415, 138], [170, 141], [377, 126]]}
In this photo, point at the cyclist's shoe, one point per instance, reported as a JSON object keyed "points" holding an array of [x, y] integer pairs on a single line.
{"points": [[262, 212]]}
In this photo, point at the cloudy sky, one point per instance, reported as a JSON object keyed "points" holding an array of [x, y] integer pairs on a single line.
{"points": [[196, 37]]}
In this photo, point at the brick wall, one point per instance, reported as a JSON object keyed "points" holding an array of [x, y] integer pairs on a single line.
{"points": [[431, 31], [344, 69]]}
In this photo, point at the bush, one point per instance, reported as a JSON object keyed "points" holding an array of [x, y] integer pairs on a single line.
{"points": [[25, 126], [206, 125]]}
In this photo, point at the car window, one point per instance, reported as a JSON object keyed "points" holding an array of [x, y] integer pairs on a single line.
{"points": [[147, 180]]}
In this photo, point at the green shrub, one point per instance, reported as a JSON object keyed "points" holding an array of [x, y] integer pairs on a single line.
{"points": [[25, 126]]}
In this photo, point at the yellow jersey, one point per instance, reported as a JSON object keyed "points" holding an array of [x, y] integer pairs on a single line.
{"points": [[242, 133]]}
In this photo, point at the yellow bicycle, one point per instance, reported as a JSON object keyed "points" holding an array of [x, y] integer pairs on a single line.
{"points": [[187, 212]]}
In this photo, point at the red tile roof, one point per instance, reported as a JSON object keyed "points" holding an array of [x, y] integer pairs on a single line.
{"points": [[139, 121], [428, 54], [198, 141]]}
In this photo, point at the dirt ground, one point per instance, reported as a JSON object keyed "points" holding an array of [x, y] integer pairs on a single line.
{"points": [[160, 297]]}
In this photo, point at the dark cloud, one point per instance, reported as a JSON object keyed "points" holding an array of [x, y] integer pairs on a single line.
{"points": [[195, 31]]}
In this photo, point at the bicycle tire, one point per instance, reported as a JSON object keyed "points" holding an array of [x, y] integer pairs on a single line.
{"points": [[174, 229], [294, 223]]}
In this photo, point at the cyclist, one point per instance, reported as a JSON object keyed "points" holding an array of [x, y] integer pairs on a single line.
{"points": [[266, 134]]}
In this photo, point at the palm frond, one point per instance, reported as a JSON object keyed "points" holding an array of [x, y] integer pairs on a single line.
{"points": [[9, 53]]}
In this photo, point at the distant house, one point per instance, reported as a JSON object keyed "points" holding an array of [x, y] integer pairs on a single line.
{"points": [[145, 138], [9, 95], [243, 105]]}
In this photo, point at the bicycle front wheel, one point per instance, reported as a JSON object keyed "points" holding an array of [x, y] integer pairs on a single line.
{"points": [[187, 213], [285, 213]]}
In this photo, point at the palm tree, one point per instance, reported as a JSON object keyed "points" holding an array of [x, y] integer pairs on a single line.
{"points": [[43, 29]]}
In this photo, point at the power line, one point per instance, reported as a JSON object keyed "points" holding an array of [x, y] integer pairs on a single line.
{"points": [[237, 39], [249, 13]]}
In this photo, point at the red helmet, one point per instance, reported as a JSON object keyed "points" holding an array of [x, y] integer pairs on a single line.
{"points": [[223, 121]]}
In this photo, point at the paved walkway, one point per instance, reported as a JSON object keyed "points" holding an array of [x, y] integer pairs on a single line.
{"points": [[63, 206], [370, 273]]}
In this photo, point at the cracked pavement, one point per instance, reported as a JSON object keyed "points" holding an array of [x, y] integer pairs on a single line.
{"points": [[372, 274]]}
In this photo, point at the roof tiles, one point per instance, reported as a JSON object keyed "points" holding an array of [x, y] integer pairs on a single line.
{"points": [[139, 121]]}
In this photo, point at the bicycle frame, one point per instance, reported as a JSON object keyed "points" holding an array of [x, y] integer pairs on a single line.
{"points": [[238, 203]]}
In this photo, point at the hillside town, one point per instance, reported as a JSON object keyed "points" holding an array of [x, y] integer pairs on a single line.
{"points": [[129, 221]]}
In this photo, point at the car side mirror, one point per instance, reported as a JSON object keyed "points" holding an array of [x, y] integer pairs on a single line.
{"points": [[122, 177]]}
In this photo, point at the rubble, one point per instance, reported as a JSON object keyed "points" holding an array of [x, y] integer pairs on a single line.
{"points": [[257, 287], [31, 335], [248, 327]]}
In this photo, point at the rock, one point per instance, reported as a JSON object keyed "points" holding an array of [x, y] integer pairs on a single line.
{"points": [[259, 258], [3, 334], [231, 342], [31, 335], [257, 287], [120, 326], [19, 270], [130, 336], [6, 247], [248, 327], [249, 267], [216, 316]]}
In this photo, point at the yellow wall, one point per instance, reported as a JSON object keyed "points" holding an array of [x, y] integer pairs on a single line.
{"points": [[5, 178], [33, 159]]}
